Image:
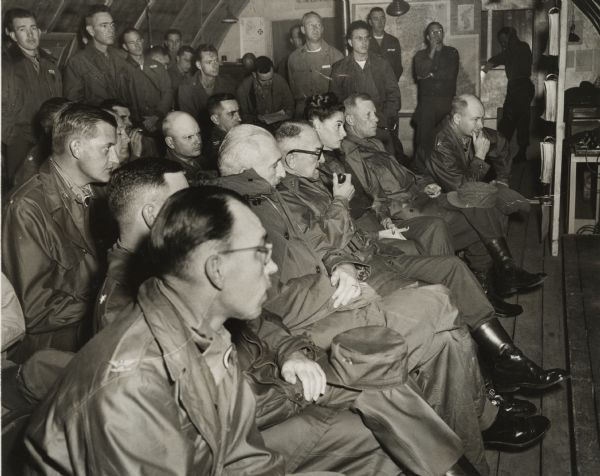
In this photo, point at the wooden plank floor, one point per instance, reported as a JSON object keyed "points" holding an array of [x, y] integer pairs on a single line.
{"points": [[540, 333], [582, 295]]}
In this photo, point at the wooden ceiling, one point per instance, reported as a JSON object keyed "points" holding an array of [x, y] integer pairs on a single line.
{"points": [[199, 20]]}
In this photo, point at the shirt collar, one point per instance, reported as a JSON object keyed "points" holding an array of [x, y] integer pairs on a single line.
{"points": [[81, 195]]}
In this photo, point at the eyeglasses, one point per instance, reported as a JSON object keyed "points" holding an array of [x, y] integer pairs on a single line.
{"points": [[316, 153], [267, 250]]}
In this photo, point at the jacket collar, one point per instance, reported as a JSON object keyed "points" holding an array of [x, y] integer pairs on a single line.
{"points": [[164, 312], [16, 54], [352, 142], [59, 203], [248, 183]]}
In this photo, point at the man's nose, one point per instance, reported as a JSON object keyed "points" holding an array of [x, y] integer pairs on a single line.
{"points": [[112, 156]]}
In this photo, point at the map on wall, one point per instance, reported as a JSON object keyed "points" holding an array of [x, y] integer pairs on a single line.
{"points": [[255, 36], [409, 29]]}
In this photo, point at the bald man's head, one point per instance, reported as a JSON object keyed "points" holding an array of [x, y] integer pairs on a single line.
{"points": [[467, 114], [182, 134]]}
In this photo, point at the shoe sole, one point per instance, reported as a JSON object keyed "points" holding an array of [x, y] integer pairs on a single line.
{"points": [[521, 289], [530, 386], [504, 314], [508, 387], [503, 445]]}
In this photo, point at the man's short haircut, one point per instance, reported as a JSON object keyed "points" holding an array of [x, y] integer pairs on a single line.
{"points": [[322, 106], [97, 8], [213, 105], [158, 50], [15, 13], [263, 65], [310, 14], [127, 31], [130, 180], [352, 101], [172, 31], [205, 48], [294, 27], [288, 131], [508, 31], [432, 24], [375, 10], [78, 120], [167, 122], [357, 25], [185, 49], [49, 111], [111, 103], [240, 148], [189, 218]]}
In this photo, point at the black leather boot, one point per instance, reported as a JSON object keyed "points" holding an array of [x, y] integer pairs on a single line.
{"points": [[514, 433], [509, 367], [510, 405], [463, 467], [502, 308], [509, 278]]}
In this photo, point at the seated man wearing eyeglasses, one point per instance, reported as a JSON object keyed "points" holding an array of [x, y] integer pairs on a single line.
{"points": [[322, 298], [160, 390]]}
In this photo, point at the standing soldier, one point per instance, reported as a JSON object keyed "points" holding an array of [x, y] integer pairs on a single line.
{"points": [[30, 76], [309, 67]]}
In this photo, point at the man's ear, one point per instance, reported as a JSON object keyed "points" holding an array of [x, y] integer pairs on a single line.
{"points": [[90, 30], [303, 30], [198, 64], [349, 118], [149, 212], [215, 119], [212, 268], [456, 118], [75, 148], [349, 43], [169, 142], [290, 161]]}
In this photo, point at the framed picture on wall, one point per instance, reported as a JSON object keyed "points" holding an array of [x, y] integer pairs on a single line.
{"points": [[465, 17]]}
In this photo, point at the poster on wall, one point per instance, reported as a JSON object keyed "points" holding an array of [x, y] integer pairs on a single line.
{"points": [[465, 17], [255, 36]]}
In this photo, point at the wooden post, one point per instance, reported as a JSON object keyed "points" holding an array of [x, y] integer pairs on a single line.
{"points": [[560, 126]]}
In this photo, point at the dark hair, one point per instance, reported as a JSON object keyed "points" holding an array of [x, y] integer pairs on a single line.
{"points": [[508, 31], [186, 49], [97, 8], [290, 130], [263, 65], [14, 13], [109, 104], [158, 50], [375, 10], [322, 106], [128, 181], [48, 112], [189, 218], [173, 31], [214, 101], [128, 30], [430, 24], [205, 48], [357, 25], [77, 119]]}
